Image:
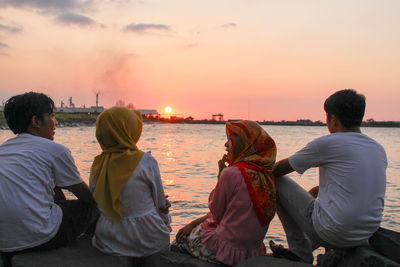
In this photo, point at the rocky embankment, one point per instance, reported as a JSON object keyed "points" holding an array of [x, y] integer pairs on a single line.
{"points": [[76, 123], [384, 251], [61, 123], [82, 254]]}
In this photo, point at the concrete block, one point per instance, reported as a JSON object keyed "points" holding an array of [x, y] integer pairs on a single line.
{"points": [[81, 254], [387, 243], [364, 256], [270, 261]]}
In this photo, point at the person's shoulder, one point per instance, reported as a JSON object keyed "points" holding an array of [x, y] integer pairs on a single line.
{"points": [[325, 137], [319, 141], [231, 171], [231, 176], [148, 160], [8, 142], [354, 136], [148, 156], [330, 138], [147, 167], [366, 137], [7, 146], [48, 145], [352, 139], [372, 141], [34, 141], [52, 143]]}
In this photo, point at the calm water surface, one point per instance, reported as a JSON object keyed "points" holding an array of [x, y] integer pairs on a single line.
{"points": [[187, 155]]}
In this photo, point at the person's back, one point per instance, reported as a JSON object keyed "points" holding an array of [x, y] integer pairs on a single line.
{"points": [[352, 186], [127, 186], [238, 214], [143, 230], [26, 180]]}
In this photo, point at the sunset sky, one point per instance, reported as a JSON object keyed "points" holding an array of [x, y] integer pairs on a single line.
{"points": [[247, 59]]}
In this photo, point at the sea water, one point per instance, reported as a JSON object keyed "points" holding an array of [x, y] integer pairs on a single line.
{"points": [[187, 155]]}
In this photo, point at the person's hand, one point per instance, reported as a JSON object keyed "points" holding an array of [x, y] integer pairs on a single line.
{"points": [[165, 209], [184, 232], [222, 164]]}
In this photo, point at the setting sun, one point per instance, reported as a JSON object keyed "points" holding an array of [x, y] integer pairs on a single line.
{"points": [[168, 109]]}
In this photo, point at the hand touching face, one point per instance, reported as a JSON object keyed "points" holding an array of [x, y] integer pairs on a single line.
{"points": [[229, 150]]}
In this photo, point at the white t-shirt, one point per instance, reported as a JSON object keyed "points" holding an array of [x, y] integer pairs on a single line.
{"points": [[30, 167], [352, 180], [143, 230]]}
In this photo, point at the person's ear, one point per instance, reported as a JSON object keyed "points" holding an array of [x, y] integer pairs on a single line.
{"points": [[333, 119], [336, 121], [36, 122]]}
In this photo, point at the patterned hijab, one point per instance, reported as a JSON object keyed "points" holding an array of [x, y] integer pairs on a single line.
{"points": [[254, 153], [117, 130]]}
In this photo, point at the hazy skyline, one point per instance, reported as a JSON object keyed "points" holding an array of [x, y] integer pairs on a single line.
{"points": [[248, 59]]}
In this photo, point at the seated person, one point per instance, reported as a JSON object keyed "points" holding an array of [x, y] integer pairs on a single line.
{"points": [[32, 166], [242, 203], [127, 187], [349, 202]]}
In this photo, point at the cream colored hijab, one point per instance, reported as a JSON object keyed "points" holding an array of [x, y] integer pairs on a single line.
{"points": [[117, 130]]}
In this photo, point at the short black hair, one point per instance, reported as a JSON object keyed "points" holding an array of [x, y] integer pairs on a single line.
{"points": [[20, 109], [348, 106]]}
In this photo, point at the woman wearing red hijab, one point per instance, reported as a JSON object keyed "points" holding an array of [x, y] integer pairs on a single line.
{"points": [[242, 203]]}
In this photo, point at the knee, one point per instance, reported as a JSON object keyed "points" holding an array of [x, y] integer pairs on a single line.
{"points": [[284, 182]]}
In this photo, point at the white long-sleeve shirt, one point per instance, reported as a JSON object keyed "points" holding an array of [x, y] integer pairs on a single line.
{"points": [[143, 230]]}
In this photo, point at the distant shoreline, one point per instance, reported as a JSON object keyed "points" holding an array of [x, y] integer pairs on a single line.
{"points": [[78, 120]]}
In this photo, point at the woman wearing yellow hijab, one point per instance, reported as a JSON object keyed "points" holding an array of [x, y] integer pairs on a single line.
{"points": [[127, 187]]}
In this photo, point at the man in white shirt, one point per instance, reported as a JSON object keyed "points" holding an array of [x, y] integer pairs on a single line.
{"points": [[352, 184], [32, 169]]}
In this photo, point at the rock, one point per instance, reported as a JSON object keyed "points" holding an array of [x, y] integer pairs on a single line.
{"points": [[331, 258], [387, 243], [263, 261], [364, 256], [358, 256], [82, 254], [171, 258]]}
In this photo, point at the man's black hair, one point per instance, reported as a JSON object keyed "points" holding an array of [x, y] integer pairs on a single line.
{"points": [[348, 106], [20, 109]]}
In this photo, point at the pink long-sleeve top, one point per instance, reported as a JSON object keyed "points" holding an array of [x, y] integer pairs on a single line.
{"points": [[232, 230]]}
